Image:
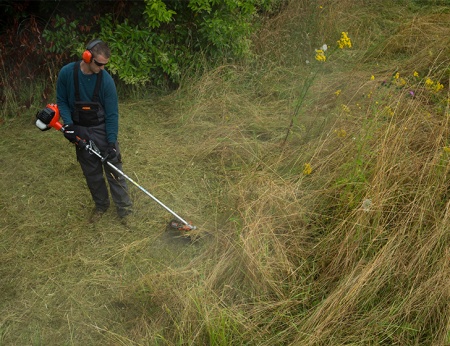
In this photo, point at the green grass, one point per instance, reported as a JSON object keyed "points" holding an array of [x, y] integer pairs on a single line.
{"points": [[354, 253]]}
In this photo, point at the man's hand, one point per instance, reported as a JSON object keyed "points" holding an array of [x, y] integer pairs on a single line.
{"points": [[70, 133], [111, 152]]}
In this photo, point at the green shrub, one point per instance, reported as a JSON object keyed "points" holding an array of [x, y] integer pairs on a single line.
{"points": [[167, 38]]}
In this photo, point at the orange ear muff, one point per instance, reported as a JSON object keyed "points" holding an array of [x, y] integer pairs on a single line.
{"points": [[87, 54]]}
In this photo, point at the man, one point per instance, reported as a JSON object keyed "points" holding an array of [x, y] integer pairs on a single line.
{"points": [[88, 104]]}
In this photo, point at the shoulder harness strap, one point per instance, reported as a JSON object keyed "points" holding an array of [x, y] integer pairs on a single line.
{"points": [[76, 67]]}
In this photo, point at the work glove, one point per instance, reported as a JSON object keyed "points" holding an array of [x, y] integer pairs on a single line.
{"points": [[111, 152], [70, 133]]}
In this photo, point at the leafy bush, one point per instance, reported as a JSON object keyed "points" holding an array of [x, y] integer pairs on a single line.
{"points": [[139, 56], [63, 38], [168, 38]]}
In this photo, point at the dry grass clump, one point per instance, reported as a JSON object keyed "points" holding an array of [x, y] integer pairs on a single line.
{"points": [[423, 40], [376, 249]]}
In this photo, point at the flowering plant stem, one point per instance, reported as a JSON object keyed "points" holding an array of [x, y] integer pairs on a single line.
{"points": [[295, 114], [343, 42]]}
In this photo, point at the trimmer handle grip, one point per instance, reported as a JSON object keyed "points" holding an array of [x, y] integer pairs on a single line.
{"points": [[81, 143]]}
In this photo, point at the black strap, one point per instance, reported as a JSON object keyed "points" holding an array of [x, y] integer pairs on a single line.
{"points": [[95, 97], [76, 67]]}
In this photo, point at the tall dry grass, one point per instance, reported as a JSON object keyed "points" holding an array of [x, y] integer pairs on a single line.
{"points": [[357, 252]]}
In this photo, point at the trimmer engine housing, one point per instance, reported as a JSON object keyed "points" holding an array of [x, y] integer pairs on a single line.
{"points": [[48, 118]]}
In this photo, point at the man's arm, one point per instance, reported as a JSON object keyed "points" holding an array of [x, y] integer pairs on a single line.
{"points": [[111, 107], [62, 95]]}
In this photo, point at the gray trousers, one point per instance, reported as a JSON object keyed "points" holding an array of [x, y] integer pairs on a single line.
{"points": [[95, 171]]}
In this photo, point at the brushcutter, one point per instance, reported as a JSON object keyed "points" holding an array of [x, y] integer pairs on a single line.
{"points": [[49, 118]]}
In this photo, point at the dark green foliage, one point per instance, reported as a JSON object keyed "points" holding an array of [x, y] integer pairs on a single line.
{"points": [[171, 35], [154, 42]]}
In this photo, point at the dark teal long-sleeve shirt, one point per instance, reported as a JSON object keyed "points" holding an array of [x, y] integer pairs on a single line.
{"points": [[65, 96]]}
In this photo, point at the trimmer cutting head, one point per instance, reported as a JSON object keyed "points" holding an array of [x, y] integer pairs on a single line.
{"points": [[181, 226]]}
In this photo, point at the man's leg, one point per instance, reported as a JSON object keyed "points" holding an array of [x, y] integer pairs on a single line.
{"points": [[93, 172], [118, 186]]}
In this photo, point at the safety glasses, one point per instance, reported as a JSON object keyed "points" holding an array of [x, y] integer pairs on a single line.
{"points": [[99, 64]]}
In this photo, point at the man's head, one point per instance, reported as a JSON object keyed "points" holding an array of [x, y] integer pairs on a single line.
{"points": [[96, 55]]}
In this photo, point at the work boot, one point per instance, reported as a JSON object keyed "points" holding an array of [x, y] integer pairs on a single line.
{"points": [[124, 212], [124, 216], [96, 215]]}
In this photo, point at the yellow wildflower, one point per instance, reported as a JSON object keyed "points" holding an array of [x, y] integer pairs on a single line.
{"points": [[341, 133], [372, 77], [438, 87], [429, 83], [397, 75], [307, 169], [416, 74], [337, 92], [320, 55], [345, 108], [344, 41], [389, 111]]}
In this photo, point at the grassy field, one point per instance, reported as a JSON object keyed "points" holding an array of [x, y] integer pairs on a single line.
{"points": [[320, 190]]}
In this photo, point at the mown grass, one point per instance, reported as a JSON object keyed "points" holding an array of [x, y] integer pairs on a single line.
{"points": [[354, 251]]}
